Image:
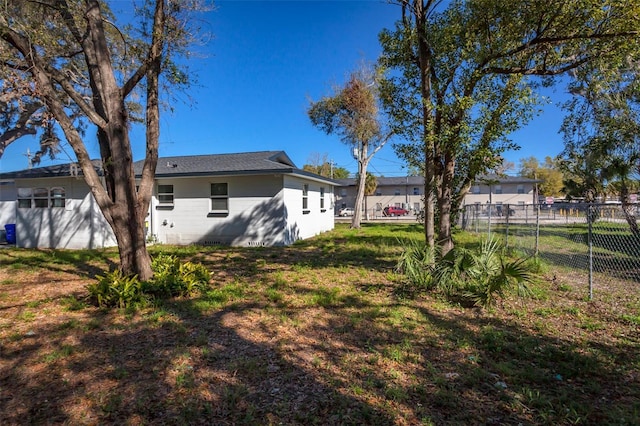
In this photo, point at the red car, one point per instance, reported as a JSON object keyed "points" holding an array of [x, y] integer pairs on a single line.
{"points": [[395, 211]]}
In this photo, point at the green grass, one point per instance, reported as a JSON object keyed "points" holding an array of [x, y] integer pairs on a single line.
{"points": [[317, 333]]}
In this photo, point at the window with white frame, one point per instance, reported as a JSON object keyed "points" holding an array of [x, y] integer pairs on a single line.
{"points": [[220, 197], [41, 198], [322, 198], [305, 197], [416, 191], [165, 195]]}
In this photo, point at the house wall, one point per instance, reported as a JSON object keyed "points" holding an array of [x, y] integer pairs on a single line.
{"points": [[262, 210], [259, 213], [80, 224], [305, 223], [7, 203]]}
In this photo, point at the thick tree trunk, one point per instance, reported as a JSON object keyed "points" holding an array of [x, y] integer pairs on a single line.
{"points": [[128, 228]]}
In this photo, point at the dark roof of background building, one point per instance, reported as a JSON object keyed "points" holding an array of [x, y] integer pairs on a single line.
{"points": [[419, 180], [387, 181]]}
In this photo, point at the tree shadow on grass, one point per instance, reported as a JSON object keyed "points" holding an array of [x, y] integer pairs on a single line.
{"points": [[88, 263], [532, 378], [172, 367]]}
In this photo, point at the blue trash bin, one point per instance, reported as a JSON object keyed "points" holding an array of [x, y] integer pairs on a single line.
{"points": [[11, 233]]}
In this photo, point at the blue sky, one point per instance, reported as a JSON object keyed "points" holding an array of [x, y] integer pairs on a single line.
{"points": [[266, 60]]}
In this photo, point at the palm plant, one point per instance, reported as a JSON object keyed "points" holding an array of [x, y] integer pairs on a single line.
{"points": [[483, 275], [477, 277]]}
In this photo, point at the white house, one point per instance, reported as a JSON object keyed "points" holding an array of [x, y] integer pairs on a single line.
{"points": [[246, 199]]}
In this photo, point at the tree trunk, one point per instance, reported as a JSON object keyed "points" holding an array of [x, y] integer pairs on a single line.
{"points": [[128, 228], [362, 177], [424, 62], [628, 209], [123, 207], [445, 198], [125, 214]]}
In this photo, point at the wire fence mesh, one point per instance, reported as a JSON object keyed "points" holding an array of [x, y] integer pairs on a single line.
{"points": [[598, 244]]}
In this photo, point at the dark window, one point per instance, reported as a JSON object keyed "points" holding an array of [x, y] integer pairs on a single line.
{"points": [[165, 195], [219, 197], [305, 197]]}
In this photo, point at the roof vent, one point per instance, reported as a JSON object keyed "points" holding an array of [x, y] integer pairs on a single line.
{"points": [[172, 165]]}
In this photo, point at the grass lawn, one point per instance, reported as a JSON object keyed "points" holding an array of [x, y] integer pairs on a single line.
{"points": [[314, 333]]}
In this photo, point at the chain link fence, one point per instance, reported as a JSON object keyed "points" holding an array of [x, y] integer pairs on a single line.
{"points": [[598, 244]]}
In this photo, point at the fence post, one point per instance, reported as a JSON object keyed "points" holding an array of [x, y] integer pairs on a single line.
{"points": [[476, 216], [489, 216], [537, 228], [590, 217], [506, 236]]}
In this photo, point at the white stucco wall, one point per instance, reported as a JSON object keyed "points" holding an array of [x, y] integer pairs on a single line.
{"points": [[7, 203], [79, 224], [313, 220], [256, 214], [261, 212]]}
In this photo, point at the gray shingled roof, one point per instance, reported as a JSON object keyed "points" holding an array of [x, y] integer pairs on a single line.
{"points": [[58, 170], [189, 165], [222, 164]]}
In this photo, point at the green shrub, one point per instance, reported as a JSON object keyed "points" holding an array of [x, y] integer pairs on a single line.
{"points": [[171, 279], [115, 289]]}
